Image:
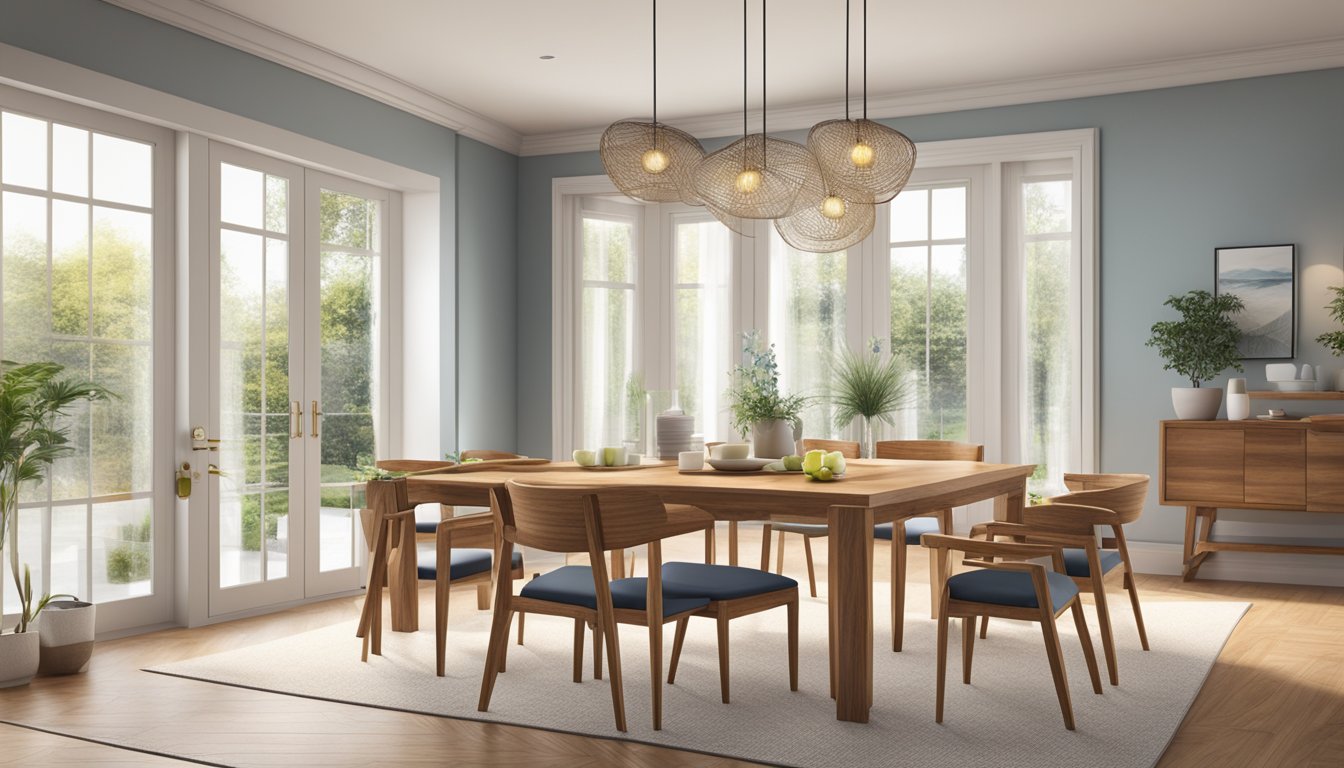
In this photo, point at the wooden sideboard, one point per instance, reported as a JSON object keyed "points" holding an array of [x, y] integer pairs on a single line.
{"points": [[1271, 465]]}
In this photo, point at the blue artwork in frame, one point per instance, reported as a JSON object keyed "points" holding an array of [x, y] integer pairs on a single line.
{"points": [[1264, 278]]}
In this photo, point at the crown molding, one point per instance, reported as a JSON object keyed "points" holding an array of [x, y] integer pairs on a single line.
{"points": [[214, 23], [1257, 62]]}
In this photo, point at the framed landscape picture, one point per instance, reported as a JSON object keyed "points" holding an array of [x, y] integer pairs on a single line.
{"points": [[1264, 278]]}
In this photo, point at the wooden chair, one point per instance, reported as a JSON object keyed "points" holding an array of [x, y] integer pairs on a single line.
{"points": [[913, 528], [447, 566], [1072, 519], [1011, 589], [805, 527], [570, 519]]}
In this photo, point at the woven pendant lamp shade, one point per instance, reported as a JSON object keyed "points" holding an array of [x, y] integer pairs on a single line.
{"points": [[757, 177], [653, 162], [842, 218], [862, 154]]}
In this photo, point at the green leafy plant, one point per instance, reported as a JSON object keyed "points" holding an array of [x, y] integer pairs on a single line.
{"points": [[1334, 340], [1203, 343], [33, 398], [867, 386], [754, 394]]}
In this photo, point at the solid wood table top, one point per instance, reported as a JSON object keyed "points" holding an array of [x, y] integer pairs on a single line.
{"points": [[897, 488]]}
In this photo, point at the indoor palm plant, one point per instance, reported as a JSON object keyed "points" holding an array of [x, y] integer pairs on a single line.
{"points": [[756, 405], [1334, 340], [33, 398], [1199, 346], [868, 387]]}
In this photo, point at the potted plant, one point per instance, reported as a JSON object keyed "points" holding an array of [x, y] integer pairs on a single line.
{"points": [[1199, 346], [33, 397], [868, 387], [756, 405], [1334, 340]]}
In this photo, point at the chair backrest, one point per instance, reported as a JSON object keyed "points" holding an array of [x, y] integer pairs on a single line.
{"points": [[930, 450], [1123, 494], [847, 448], [555, 518], [488, 455], [411, 465]]}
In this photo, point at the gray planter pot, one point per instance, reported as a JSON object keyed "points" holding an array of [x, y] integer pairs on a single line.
{"points": [[67, 637], [773, 439], [1196, 403], [18, 658]]}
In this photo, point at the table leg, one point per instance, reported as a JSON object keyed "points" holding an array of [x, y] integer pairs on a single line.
{"points": [[851, 600], [1008, 507], [617, 564], [732, 542], [403, 582]]}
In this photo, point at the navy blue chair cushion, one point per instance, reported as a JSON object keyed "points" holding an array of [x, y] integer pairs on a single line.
{"points": [[465, 562], [1075, 561], [720, 582], [914, 528], [426, 526], [1012, 588], [573, 585]]}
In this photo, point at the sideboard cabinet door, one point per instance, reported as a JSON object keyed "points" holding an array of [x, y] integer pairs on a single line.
{"points": [[1325, 471], [1203, 465], [1276, 467]]}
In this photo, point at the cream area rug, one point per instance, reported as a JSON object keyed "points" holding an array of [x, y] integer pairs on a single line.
{"points": [[1007, 716]]}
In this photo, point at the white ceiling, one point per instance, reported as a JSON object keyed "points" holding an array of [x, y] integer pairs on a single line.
{"points": [[483, 55]]}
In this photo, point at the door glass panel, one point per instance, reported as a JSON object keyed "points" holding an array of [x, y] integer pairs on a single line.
{"points": [[23, 158], [1048, 440], [121, 170], [69, 160], [607, 332], [349, 324], [703, 341], [807, 326], [254, 392]]}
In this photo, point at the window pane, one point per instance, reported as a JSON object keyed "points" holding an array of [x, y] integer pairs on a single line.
{"points": [[928, 329], [123, 425], [24, 152], [1047, 435], [69, 567], [807, 325], [30, 552], [69, 160], [277, 204], [607, 351], [70, 474], [1047, 206], [123, 275], [122, 170], [703, 342], [69, 268], [123, 549], [910, 216], [26, 319], [608, 254], [346, 220], [240, 196], [949, 213]]}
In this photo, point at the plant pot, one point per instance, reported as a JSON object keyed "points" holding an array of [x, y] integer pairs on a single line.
{"points": [[18, 658], [67, 637], [772, 439], [1196, 403]]}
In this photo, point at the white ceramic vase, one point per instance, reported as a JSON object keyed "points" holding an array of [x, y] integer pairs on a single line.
{"points": [[19, 654], [1196, 403], [772, 439], [67, 628]]}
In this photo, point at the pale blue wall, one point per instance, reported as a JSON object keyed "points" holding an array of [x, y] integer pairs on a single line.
{"points": [[123, 44], [1183, 170]]}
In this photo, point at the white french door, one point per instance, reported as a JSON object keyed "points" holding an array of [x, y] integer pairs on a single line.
{"points": [[298, 350]]}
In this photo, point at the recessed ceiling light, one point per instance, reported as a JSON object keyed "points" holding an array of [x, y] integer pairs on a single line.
{"points": [[547, 57]]}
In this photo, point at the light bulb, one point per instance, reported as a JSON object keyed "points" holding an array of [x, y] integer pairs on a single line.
{"points": [[748, 181], [655, 161], [861, 155], [833, 207]]}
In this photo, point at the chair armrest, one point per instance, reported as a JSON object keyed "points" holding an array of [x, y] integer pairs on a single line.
{"points": [[987, 549], [1066, 517]]}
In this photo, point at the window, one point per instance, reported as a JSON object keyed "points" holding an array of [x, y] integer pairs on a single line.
{"points": [[808, 309], [608, 319], [82, 205], [702, 347]]}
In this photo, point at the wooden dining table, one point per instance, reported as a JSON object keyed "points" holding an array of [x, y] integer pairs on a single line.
{"points": [[872, 491]]}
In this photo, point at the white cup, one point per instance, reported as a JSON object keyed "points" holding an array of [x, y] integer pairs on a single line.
{"points": [[730, 451], [691, 460], [632, 459]]}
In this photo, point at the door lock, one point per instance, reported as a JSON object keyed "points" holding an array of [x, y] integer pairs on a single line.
{"points": [[295, 420]]}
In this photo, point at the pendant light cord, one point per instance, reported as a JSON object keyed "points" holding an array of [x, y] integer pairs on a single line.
{"points": [[765, 135], [655, 71], [846, 60], [744, 77], [865, 59]]}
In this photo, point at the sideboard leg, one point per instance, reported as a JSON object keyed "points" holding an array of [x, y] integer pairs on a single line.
{"points": [[1195, 554]]}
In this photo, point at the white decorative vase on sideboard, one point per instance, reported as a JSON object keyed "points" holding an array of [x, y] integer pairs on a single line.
{"points": [[1238, 400], [19, 654], [1196, 403]]}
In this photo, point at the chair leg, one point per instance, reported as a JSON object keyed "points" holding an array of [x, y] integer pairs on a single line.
{"points": [[1056, 656], [723, 654], [942, 661], [1138, 612], [373, 594], [967, 647], [811, 574], [676, 648], [521, 617], [710, 545], [984, 627], [579, 631], [1089, 653], [1107, 637], [765, 547], [609, 636], [656, 671], [440, 620], [898, 588], [483, 596], [499, 643], [779, 555], [793, 644], [732, 542], [597, 651]]}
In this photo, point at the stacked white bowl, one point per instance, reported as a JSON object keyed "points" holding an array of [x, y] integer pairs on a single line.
{"points": [[1285, 377], [674, 433]]}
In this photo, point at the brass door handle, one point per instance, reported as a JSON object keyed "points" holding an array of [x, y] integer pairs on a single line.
{"points": [[316, 415], [295, 420], [215, 470]]}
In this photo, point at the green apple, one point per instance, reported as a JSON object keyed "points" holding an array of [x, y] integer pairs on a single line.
{"points": [[585, 458], [835, 461], [824, 475], [793, 463], [813, 461]]}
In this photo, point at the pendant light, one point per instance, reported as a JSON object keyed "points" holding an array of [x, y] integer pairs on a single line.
{"points": [[756, 177], [862, 154], [651, 161]]}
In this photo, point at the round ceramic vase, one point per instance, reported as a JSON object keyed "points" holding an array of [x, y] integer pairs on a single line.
{"points": [[1196, 403], [19, 654], [67, 637]]}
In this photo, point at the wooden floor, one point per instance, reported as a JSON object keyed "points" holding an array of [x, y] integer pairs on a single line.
{"points": [[1275, 697]]}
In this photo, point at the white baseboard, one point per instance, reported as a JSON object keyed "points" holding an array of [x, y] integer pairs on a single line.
{"points": [[1315, 570]]}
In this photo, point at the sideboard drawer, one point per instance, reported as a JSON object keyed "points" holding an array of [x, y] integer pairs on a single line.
{"points": [[1204, 465]]}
